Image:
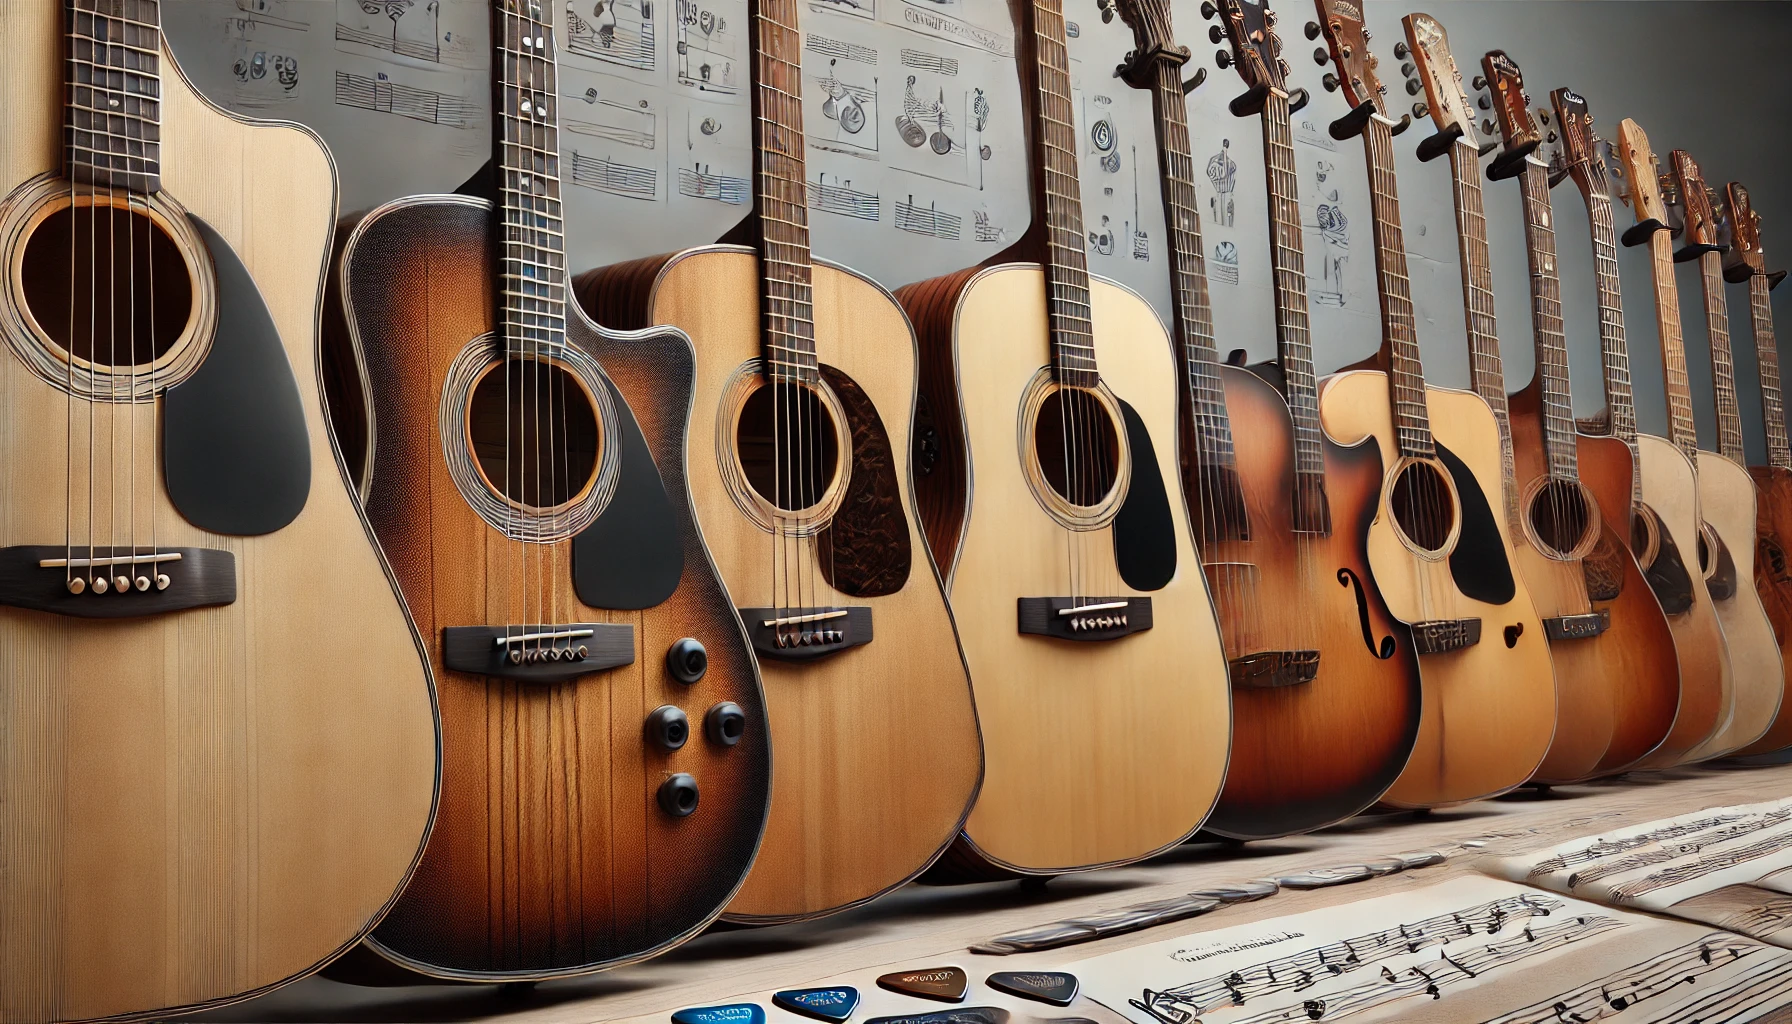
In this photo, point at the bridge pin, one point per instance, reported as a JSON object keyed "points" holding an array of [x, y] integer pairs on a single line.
{"points": [[123, 583], [516, 657], [162, 581], [584, 652], [553, 653], [143, 583], [100, 585], [76, 585]]}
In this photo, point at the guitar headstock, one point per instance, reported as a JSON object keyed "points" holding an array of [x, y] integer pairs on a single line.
{"points": [[1746, 257], [1579, 155], [1641, 174], [1684, 189], [1446, 102], [1512, 111], [1154, 44], [1256, 51], [1347, 38]]}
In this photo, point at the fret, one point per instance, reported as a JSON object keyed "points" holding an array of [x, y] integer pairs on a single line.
{"points": [[1767, 356], [1060, 202], [1614, 349], [1558, 429], [1723, 373], [1682, 429], [781, 195], [112, 94], [1406, 374]]}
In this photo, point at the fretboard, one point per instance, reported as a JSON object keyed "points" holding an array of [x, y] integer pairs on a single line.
{"points": [[1546, 323], [780, 193], [1767, 354], [1486, 374], [533, 265], [1287, 258], [1067, 267], [1399, 330], [1188, 273], [1723, 369], [1614, 349], [112, 127], [1681, 428]]}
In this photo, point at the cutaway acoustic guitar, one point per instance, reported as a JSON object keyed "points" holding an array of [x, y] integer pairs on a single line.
{"points": [[218, 736]]}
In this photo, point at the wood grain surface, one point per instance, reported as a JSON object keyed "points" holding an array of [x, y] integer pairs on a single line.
{"points": [[1727, 503], [1489, 710], [205, 804], [1773, 581]]}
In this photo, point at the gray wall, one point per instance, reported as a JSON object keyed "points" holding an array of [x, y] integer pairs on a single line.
{"points": [[1704, 75]]}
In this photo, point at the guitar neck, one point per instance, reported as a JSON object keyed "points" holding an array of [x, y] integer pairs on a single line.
{"points": [[532, 265], [780, 194], [1188, 272], [1399, 333], [1559, 446], [1486, 373], [1681, 428], [113, 94], [1614, 349], [1294, 338], [1723, 369], [1767, 355], [1067, 267]]}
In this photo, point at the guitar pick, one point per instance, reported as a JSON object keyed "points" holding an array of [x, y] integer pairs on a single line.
{"points": [[1053, 987], [947, 984], [833, 1005], [733, 1013], [965, 1015]]}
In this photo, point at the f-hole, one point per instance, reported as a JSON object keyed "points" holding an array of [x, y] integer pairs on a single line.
{"points": [[1384, 650], [788, 445], [86, 273], [1423, 506], [1077, 446], [534, 432]]}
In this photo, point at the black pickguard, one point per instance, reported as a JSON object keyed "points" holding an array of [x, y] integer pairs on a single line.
{"points": [[1479, 563], [631, 557], [1144, 529], [236, 453]]}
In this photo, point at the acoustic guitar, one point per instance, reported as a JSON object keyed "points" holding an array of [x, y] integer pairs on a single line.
{"points": [[218, 758], [1101, 678], [1747, 261], [605, 754], [1439, 552], [803, 414], [1727, 493], [1281, 513], [1617, 678], [1721, 498], [1662, 498]]}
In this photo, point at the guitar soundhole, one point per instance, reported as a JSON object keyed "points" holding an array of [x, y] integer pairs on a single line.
{"points": [[534, 433], [1423, 505], [1560, 516], [106, 284], [1077, 446], [788, 445]]}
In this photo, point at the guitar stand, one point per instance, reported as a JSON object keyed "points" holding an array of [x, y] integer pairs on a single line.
{"points": [[1439, 144], [1511, 162], [1641, 231]]}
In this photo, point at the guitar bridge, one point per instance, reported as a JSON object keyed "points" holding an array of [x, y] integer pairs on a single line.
{"points": [[804, 634], [1084, 619], [115, 583], [1444, 635], [538, 653], [1271, 669], [1578, 627]]}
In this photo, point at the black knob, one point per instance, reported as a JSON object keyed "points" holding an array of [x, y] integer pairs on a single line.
{"points": [[1487, 126], [1207, 9], [1320, 56], [1223, 59], [668, 728], [1400, 50], [1480, 82], [678, 795], [1312, 30], [725, 724], [1413, 86], [687, 660], [1419, 109], [1407, 69], [1215, 33], [1484, 103], [1330, 81]]}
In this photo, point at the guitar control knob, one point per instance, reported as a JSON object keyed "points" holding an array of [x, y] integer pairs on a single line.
{"points": [[1401, 52], [678, 795], [687, 660], [1215, 33], [1312, 30], [1207, 9], [725, 724], [1330, 81], [1320, 56], [668, 728], [1223, 59]]}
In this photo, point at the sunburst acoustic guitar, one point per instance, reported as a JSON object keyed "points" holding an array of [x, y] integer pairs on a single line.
{"points": [[803, 410], [1055, 511], [218, 759]]}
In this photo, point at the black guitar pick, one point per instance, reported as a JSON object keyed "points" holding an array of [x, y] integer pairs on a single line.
{"points": [[962, 1015], [833, 1005], [1054, 987], [947, 984]]}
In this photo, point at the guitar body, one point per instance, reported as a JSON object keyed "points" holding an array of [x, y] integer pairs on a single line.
{"points": [[1096, 752], [1647, 694], [1354, 723], [1727, 504], [205, 801], [878, 752], [1773, 580], [552, 854], [1489, 709], [1671, 496]]}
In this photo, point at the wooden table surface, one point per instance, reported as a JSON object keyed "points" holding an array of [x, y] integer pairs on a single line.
{"points": [[922, 926]]}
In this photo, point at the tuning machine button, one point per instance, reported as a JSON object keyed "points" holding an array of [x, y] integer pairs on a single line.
{"points": [[1223, 59], [1407, 69], [1330, 82], [1401, 52], [687, 660], [1208, 10], [1484, 103], [1320, 56], [678, 795], [668, 728], [1215, 33], [1480, 82], [1419, 109], [725, 724], [1312, 30], [1487, 126], [1413, 86]]}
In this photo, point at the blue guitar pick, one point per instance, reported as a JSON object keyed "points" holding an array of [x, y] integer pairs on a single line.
{"points": [[733, 1013], [833, 1005]]}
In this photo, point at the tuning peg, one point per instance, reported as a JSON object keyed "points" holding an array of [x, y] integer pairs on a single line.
{"points": [[1320, 56], [1270, 18], [1407, 69], [1487, 126], [1330, 81], [1480, 82], [1222, 59], [1413, 86], [1208, 10], [1312, 30], [1298, 99], [1107, 10], [1542, 115], [1194, 83], [1484, 103], [1419, 109], [1215, 33], [1400, 51]]}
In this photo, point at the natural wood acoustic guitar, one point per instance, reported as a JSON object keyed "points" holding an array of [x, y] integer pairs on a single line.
{"points": [[1724, 505], [1747, 262], [606, 759], [1663, 527], [1617, 677], [1054, 509], [1440, 553], [1281, 514], [801, 424], [218, 755]]}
